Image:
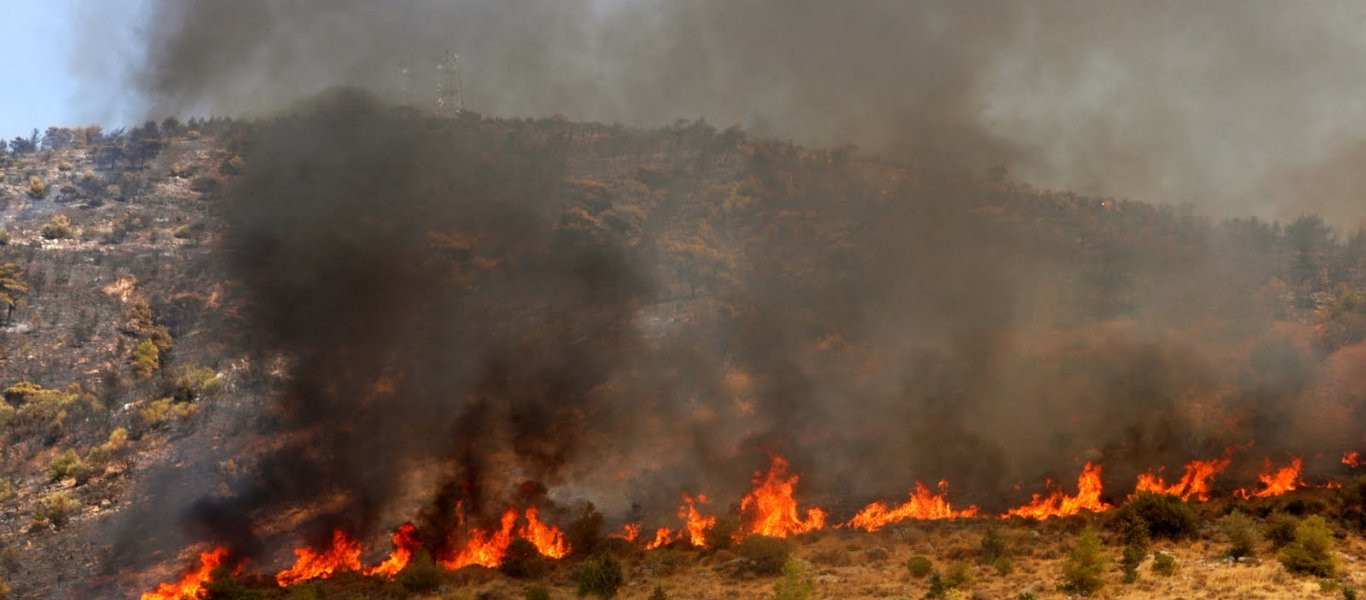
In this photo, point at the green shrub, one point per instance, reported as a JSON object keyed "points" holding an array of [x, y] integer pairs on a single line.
{"points": [[537, 592], [959, 576], [1349, 593], [194, 383], [1354, 500], [69, 464], [919, 566], [1133, 557], [765, 555], [1242, 534], [56, 509], [937, 589], [1084, 571], [1280, 529], [584, 532], [1164, 564], [796, 584], [158, 412], [36, 188], [58, 228], [1311, 552], [600, 576], [1165, 515], [421, 575], [522, 560], [994, 551], [146, 358]]}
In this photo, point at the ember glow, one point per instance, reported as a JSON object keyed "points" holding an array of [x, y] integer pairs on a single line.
{"points": [[771, 508], [191, 586], [1195, 481], [923, 505], [405, 544], [1059, 504], [1351, 458], [342, 556], [1274, 482]]}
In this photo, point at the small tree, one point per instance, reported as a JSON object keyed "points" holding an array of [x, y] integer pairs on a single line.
{"points": [[601, 576], [796, 584], [765, 555], [1084, 571], [994, 551], [12, 289], [59, 227], [146, 358], [1242, 534], [1312, 551]]}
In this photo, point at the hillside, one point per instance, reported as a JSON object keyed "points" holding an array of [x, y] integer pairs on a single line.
{"points": [[745, 298]]}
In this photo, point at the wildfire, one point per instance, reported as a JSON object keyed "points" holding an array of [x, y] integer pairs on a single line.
{"points": [[1276, 482], [1058, 504], [697, 523], [1351, 458], [405, 543], [191, 585], [629, 532], [924, 505], [487, 548], [663, 535], [1194, 482], [773, 508], [343, 555]]}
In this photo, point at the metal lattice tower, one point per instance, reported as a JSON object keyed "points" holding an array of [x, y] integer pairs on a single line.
{"points": [[449, 99]]}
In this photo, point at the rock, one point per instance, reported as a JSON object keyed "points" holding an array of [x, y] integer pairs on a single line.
{"points": [[827, 579]]}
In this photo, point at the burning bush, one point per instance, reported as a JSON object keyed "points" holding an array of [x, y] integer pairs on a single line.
{"points": [[765, 555], [1084, 571], [421, 575], [584, 533], [600, 576], [1311, 552]]}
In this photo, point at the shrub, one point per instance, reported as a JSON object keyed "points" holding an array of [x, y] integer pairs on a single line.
{"points": [[721, 535], [1164, 564], [55, 509], [1133, 557], [146, 358], [36, 188], [68, 464], [58, 228], [223, 585], [994, 551], [194, 383], [1165, 515], [1311, 552], [665, 561], [600, 576], [6, 491], [522, 559], [421, 575], [584, 532], [959, 576], [919, 566], [765, 555], [1242, 534], [1280, 529], [1349, 593], [1084, 571], [1354, 500], [796, 584], [158, 412], [537, 592]]}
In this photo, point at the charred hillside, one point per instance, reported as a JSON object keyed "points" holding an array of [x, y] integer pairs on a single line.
{"points": [[254, 335]]}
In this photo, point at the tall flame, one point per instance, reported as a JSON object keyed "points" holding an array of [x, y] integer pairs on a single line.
{"points": [[697, 524], [1275, 482], [487, 548], [772, 508], [1195, 481], [191, 585], [1058, 504], [663, 535], [405, 544], [924, 505], [343, 555], [548, 539]]}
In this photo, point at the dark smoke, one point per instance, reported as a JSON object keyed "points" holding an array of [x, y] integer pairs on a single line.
{"points": [[463, 310]]}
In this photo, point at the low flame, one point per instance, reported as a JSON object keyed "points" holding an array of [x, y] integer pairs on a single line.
{"points": [[663, 535], [1058, 504], [773, 508], [1351, 458], [405, 544], [1275, 482], [923, 505], [697, 523], [629, 532], [1195, 481], [343, 555], [191, 585], [487, 548]]}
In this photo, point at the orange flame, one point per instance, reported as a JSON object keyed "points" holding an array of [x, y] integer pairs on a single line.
{"points": [[1195, 481], [663, 535], [487, 548], [191, 585], [697, 523], [1058, 504], [629, 532], [923, 505], [405, 543], [1275, 482], [1351, 458], [773, 508], [342, 555]]}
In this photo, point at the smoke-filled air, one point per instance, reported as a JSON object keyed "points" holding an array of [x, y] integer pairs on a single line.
{"points": [[691, 299]]}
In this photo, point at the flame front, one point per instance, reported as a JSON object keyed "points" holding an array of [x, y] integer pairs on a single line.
{"points": [[548, 539], [405, 544], [772, 507], [1276, 482], [1058, 504], [191, 585], [924, 505], [343, 555], [697, 523], [1195, 481], [488, 548]]}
